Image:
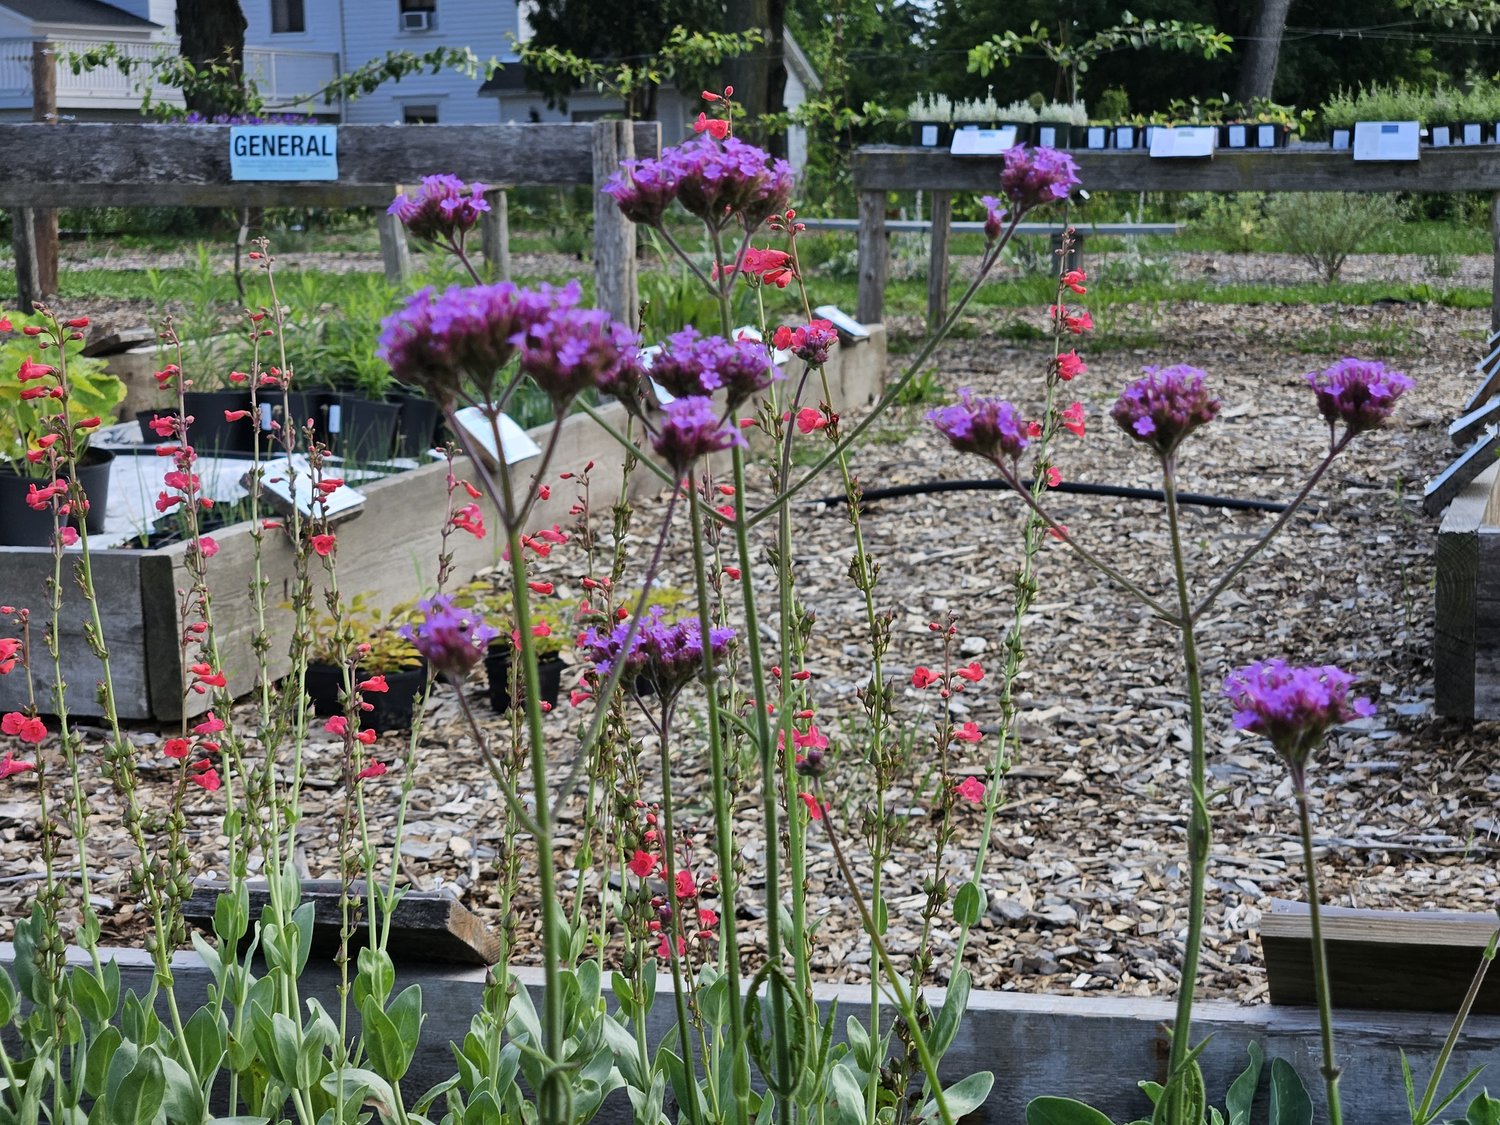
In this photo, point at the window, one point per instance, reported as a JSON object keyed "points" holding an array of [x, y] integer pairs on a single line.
{"points": [[419, 115], [418, 15], [287, 17]]}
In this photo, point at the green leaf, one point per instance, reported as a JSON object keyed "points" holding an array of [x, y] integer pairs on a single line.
{"points": [[9, 1001], [859, 1043], [1152, 1090], [205, 1038], [1454, 1094], [969, 904], [137, 1097], [1290, 1104], [365, 1087], [377, 976], [945, 1027], [1241, 1093], [849, 1099], [964, 1096], [383, 1042], [406, 1013], [101, 1054], [1483, 1110], [1063, 1111]]}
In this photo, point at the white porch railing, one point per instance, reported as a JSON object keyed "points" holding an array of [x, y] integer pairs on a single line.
{"points": [[286, 79]]}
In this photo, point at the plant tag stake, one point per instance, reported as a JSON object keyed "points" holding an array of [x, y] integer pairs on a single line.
{"points": [[515, 441], [284, 491]]}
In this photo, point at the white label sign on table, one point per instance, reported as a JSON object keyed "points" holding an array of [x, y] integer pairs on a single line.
{"points": [[283, 152]]}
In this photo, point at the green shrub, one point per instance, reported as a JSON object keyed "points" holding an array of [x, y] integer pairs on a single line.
{"points": [[1234, 221], [1324, 228]]}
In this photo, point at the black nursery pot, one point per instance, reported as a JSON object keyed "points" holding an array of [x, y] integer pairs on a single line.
{"points": [[931, 134], [390, 710], [360, 429], [210, 432], [20, 526], [290, 410], [416, 427], [1050, 134], [497, 667]]}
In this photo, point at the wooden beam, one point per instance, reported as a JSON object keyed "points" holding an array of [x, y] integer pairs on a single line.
{"points": [[28, 267], [1495, 269], [874, 258], [1466, 427], [615, 288], [1444, 488], [1380, 959], [1457, 564], [494, 230], [426, 926], [89, 164], [937, 261], [1303, 168]]}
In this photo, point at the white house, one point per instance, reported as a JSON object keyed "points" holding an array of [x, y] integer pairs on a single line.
{"points": [[293, 48]]}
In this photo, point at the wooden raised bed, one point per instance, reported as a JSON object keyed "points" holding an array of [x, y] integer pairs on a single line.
{"points": [[1466, 648], [388, 551]]}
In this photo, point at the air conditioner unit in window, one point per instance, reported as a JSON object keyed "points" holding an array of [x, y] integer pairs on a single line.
{"points": [[416, 21]]}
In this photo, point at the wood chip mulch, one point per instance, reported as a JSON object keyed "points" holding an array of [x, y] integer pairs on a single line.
{"points": [[1086, 881]]}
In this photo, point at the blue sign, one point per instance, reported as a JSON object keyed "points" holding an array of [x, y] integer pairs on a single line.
{"points": [[283, 152]]}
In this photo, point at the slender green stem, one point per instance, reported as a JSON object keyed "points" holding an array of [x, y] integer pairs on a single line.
{"points": [[1462, 1017], [723, 824], [1200, 828], [672, 931], [1259, 545], [1319, 954]]}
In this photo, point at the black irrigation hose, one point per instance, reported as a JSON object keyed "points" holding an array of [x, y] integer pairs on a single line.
{"points": [[1121, 491]]}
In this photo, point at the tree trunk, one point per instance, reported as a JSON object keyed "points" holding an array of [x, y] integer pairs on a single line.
{"points": [[750, 73], [1262, 50], [213, 33]]}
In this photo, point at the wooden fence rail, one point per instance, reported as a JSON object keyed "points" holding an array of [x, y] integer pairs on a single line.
{"points": [[127, 165], [880, 169]]}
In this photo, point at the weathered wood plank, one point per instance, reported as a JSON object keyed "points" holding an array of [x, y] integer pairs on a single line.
{"points": [[1465, 428], [28, 264], [1457, 574], [1370, 958], [937, 261], [426, 926], [1489, 371], [1487, 618], [44, 111], [874, 257], [1444, 488], [84, 164], [117, 578], [1309, 168], [615, 288]]}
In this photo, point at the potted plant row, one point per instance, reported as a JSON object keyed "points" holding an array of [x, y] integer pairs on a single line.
{"points": [[381, 652], [934, 120], [26, 422], [1448, 117]]}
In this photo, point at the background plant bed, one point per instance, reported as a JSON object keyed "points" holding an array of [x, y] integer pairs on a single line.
{"points": [[390, 709], [549, 667], [387, 550], [1036, 1045]]}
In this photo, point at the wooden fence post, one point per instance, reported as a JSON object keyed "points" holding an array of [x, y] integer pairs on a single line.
{"points": [[494, 229], [1495, 275], [614, 235], [874, 255], [393, 249], [34, 229], [937, 264]]}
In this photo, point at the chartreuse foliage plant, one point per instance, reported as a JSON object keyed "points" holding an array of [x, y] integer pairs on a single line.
{"points": [[716, 676]]}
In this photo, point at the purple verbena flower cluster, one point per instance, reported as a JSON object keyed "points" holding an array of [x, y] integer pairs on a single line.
{"points": [[692, 364], [443, 209], [666, 656], [990, 427], [715, 180], [571, 349], [1034, 176], [466, 334], [691, 428], [1292, 706], [1357, 392], [452, 640], [1164, 406], [812, 343]]}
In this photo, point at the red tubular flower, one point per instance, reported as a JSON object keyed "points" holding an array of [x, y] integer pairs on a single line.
{"points": [[970, 789], [338, 725], [323, 544], [177, 748], [715, 127], [9, 765], [814, 808], [211, 725], [969, 732], [642, 864], [1072, 418], [374, 683], [1069, 366], [374, 769], [28, 728], [972, 672], [367, 737], [924, 677], [207, 779]]}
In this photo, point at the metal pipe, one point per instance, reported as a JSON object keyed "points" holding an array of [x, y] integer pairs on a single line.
{"points": [[1077, 488]]}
